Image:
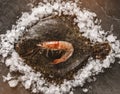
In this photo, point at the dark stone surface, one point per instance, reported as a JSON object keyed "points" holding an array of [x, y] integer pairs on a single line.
{"points": [[107, 82], [10, 10], [4, 87], [107, 10], [111, 7]]}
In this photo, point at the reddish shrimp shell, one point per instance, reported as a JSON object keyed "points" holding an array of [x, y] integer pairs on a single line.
{"points": [[59, 45]]}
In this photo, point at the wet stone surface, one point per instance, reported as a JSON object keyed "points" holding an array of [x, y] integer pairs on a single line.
{"points": [[10, 11], [106, 10], [111, 7], [57, 29]]}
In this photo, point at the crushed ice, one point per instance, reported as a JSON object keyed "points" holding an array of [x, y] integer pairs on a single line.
{"points": [[33, 80]]}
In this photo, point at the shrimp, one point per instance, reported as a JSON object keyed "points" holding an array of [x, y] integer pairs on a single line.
{"points": [[59, 45]]}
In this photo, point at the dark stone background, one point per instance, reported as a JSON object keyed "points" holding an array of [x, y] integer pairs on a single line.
{"points": [[107, 10]]}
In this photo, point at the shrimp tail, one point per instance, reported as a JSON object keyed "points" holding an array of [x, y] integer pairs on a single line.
{"points": [[64, 58]]}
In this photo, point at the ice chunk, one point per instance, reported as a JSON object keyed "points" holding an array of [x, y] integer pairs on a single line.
{"points": [[85, 90], [13, 83], [111, 38]]}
